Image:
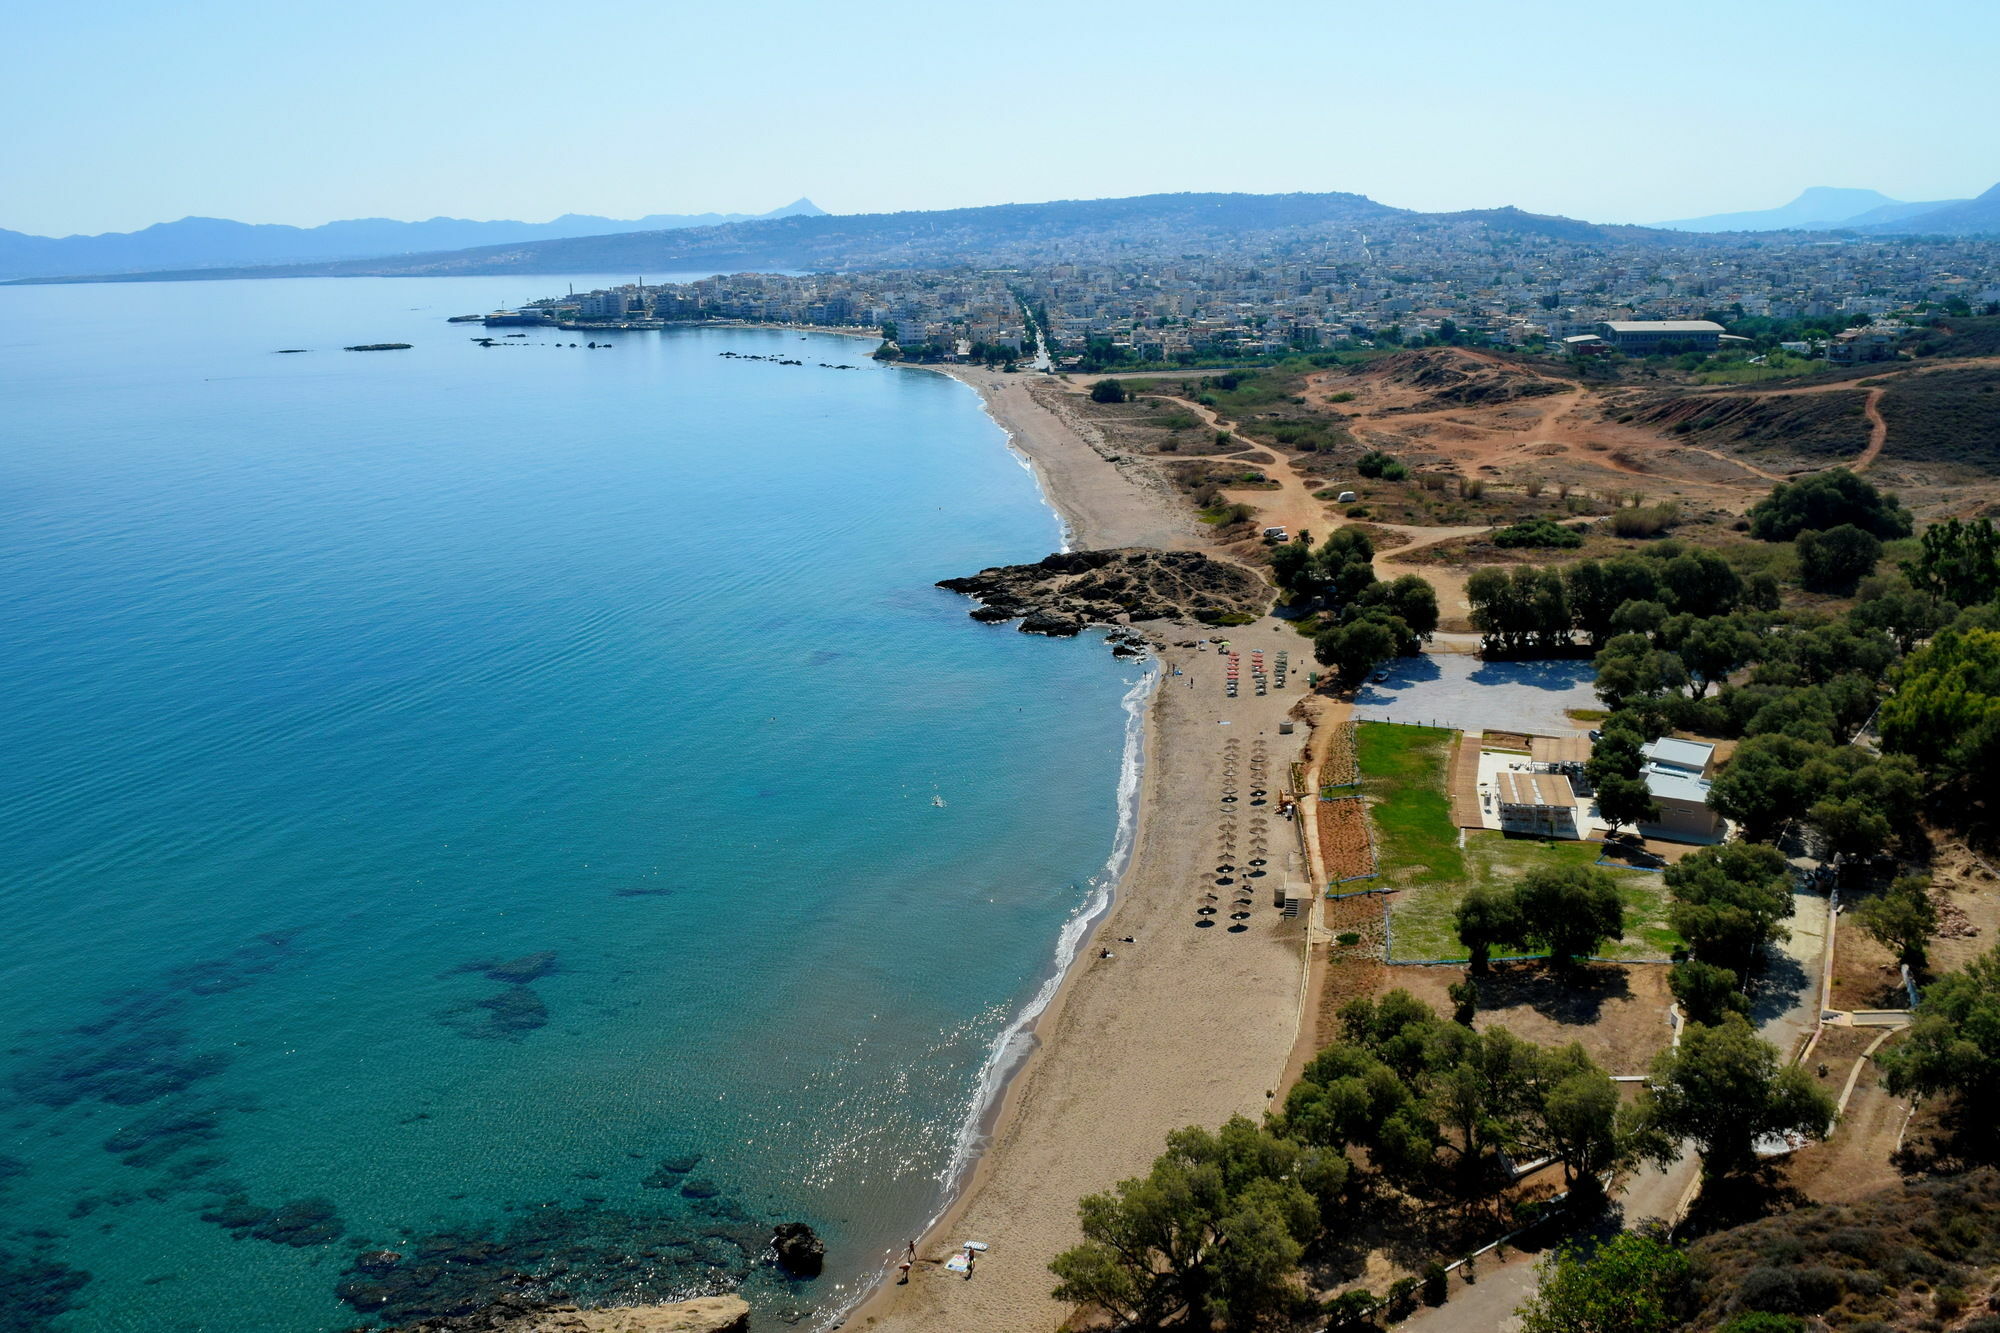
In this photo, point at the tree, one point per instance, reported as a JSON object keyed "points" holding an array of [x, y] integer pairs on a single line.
{"points": [[1107, 391], [1707, 993], [1629, 666], [1764, 784], [1730, 901], [1952, 1047], [1630, 1284], [1572, 910], [1575, 1106], [1711, 648], [1959, 561], [1410, 598], [1827, 500], [1945, 712], [1724, 1088], [1702, 582], [1837, 559], [1358, 647], [1486, 918], [1292, 567], [1623, 800], [1215, 1230], [1902, 920]]}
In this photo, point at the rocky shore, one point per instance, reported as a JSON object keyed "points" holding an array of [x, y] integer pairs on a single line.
{"points": [[1066, 593], [709, 1314]]}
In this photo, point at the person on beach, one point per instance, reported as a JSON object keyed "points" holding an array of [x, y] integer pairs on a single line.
{"points": [[909, 1261], [971, 1261]]}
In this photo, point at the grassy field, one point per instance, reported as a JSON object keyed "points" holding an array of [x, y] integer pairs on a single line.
{"points": [[1404, 772], [1403, 775]]}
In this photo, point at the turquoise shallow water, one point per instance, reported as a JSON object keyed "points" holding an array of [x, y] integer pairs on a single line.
{"points": [[334, 680]]}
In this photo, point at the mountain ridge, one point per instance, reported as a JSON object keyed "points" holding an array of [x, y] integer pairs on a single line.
{"points": [[990, 234], [203, 242], [1831, 208]]}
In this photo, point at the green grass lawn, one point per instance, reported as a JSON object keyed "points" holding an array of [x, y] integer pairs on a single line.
{"points": [[1404, 772]]}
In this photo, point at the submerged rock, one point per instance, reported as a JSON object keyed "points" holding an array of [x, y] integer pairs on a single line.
{"points": [[300, 1223], [526, 968], [515, 1314], [799, 1249]]}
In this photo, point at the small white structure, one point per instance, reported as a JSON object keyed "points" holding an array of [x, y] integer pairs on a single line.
{"points": [[1542, 804], [1677, 774], [1346, 497]]}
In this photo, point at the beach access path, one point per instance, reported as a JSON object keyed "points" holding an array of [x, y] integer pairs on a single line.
{"points": [[1184, 1025]]}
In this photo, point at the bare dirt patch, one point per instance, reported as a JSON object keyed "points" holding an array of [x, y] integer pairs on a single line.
{"points": [[1617, 1013]]}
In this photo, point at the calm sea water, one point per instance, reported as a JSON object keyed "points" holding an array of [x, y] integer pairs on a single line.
{"points": [[484, 804]]}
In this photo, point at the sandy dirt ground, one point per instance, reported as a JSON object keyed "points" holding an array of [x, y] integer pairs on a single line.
{"points": [[1186, 1024]]}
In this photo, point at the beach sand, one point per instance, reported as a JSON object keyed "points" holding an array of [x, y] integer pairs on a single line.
{"points": [[1184, 1025]]}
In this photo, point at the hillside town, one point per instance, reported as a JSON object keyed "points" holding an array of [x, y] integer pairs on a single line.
{"points": [[1407, 283]]}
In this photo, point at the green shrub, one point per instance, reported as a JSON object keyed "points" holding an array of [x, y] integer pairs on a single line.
{"points": [[1108, 391], [1538, 532]]}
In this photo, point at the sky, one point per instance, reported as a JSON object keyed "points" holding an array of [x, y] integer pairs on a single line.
{"points": [[121, 114]]}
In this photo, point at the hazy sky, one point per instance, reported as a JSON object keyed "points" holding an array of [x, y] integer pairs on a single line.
{"points": [[123, 114]]}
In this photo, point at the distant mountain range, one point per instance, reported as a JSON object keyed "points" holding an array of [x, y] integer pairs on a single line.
{"points": [[801, 237], [1000, 234], [1824, 208], [217, 242]]}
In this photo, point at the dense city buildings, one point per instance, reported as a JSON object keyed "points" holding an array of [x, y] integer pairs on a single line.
{"points": [[1483, 281]]}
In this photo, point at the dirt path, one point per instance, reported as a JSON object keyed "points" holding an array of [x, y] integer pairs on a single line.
{"points": [[1878, 431], [1292, 506]]}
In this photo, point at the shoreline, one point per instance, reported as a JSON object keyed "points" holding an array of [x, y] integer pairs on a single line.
{"points": [[1115, 1056]]}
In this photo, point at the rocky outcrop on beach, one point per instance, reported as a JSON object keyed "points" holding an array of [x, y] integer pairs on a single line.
{"points": [[799, 1249], [511, 1314], [1072, 590]]}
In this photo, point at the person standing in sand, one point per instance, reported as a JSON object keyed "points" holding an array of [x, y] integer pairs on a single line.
{"points": [[909, 1260]]}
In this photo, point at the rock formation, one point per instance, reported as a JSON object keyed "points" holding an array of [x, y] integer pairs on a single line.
{"points": [[1071, 590], [800, 1251]]}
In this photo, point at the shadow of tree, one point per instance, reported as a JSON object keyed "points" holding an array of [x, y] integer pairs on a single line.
{"points": [[1577, 996]]}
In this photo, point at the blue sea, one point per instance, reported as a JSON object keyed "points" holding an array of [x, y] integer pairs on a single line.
{"points": [[477, 817]]}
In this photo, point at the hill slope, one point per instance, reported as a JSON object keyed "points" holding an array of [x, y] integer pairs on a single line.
{"points": [[210, 242]]}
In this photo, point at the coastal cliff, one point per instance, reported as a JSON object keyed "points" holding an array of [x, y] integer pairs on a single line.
{"points": [[709, 1314], [1071, 590]]}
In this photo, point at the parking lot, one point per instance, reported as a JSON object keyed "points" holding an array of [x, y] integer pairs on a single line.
{"points": [[1462, 691]]}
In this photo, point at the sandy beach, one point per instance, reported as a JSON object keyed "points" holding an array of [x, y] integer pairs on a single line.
{"points": [[1184, 1024]]}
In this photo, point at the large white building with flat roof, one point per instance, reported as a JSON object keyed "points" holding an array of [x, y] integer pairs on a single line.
{"points": [[1642, 337]]}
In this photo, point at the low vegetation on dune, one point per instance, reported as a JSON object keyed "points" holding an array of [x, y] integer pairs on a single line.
{"points": [[1825, 425], [1945, 416]]}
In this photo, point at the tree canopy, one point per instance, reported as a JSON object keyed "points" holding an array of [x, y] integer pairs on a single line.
{"points": [[1827, 500], [1631, 1283], [1952, 1047], [1724, 1088]]}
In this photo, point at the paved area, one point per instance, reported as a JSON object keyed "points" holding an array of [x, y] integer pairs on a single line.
{"points": [[1459, 690]]}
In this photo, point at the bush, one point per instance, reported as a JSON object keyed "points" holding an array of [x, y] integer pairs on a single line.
{"points": [[1377, 465], [1762, 1321], [1538, 532], [1107, 391], [1644, 521]]}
